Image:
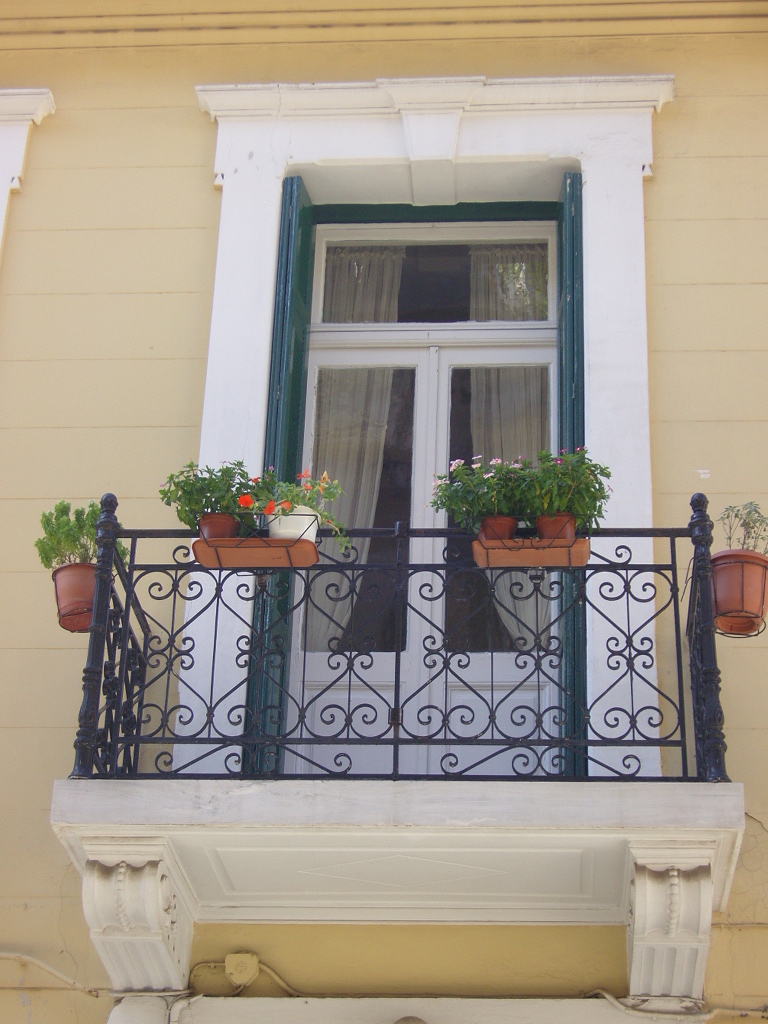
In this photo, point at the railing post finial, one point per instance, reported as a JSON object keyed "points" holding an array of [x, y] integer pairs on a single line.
{"points": [[87, 733]]}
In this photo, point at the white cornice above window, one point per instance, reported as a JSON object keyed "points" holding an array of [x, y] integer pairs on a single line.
{"points": [[388, 96], [25, 105]]}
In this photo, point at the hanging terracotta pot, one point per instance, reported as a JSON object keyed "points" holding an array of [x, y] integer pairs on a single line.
{"points": [[561, 526], [214, 525], [498, 527], [75, 585], [741, 596], [301, 523]]}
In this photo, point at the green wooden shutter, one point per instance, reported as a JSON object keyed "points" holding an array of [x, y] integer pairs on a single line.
{"points": [[268, 684], [293, 300], [571, 432], [571, 315]]}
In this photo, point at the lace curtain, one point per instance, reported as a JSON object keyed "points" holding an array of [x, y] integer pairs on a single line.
{"points": [[509, 282], [351, 414], [362, 284], [509, 418]]}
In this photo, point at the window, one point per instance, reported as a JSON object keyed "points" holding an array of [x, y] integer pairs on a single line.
{"points": [[407, 344], [493, 237], [388, 408]]}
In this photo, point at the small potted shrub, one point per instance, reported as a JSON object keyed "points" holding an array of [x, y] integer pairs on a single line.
{"points": [[68, 546], [568, 493], [487, 498], [294, 509], [207, 499], [739, 573]]}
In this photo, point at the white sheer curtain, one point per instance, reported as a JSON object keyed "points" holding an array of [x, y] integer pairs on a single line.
{"points": [[351, 416], [362, 284], [351, 413], [509, 418], [509, 282]]}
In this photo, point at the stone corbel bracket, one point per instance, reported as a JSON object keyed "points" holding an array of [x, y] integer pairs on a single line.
{"points": [[671, 903], [140, 917]]}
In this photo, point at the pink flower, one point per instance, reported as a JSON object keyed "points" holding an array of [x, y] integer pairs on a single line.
{"points": [[488, 476], [495, 462], [559, 462], [455, 463]]}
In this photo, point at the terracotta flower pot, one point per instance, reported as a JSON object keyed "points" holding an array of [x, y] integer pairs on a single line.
{"points": [[561, 526], [214, 525], [498, 527], [741, 596], [75, 585]]}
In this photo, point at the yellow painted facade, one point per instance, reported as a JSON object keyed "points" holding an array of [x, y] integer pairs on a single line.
{"points": [[106, 284]]}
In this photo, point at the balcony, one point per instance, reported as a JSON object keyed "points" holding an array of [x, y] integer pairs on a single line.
{"points": [[275, 743]]}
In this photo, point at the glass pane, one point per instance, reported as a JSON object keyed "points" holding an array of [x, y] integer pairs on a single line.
{"points": [[363, 438], [436, 283], [498, 412]]}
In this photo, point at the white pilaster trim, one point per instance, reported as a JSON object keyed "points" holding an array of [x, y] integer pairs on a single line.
{"points": [[140, 920], [19, 109], [671, 903]]}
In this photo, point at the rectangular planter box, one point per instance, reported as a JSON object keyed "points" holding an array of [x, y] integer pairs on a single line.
{"points": [[255, 553], [530, 552]]}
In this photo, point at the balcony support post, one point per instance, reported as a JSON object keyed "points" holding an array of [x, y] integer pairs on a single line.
{"points": [[705, 674], [87, 733]]}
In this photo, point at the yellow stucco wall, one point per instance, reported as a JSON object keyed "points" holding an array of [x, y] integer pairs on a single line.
{"points": [[105, 296]]}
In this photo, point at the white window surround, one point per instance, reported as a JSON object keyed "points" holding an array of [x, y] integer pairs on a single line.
{"points": [[439, 141], [18, 109]]}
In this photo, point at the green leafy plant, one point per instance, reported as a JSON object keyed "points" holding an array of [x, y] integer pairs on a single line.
{"points": [[271, 496], [196, 490], [572, 483], [469, 493], [70, 535], [745, 527]]}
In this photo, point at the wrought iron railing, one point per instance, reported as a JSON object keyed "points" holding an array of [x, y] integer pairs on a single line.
{"points": [[409, 662]]}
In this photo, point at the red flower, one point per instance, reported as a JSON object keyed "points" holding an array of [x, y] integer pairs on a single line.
{"points": [[246, 501], [254, 479], [269, 508], [286, 505], [301, 476]]}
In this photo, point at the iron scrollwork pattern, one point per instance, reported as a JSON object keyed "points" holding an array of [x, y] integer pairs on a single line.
{"points": [[400, 668]]}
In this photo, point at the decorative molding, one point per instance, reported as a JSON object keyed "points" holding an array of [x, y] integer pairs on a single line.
{"points": [[24, 105], [388, 96], [670, 907], [140, 923], [127, 24], [388, 1010]]}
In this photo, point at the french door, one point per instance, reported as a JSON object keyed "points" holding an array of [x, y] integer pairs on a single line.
{"points": [[424, 641]]}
